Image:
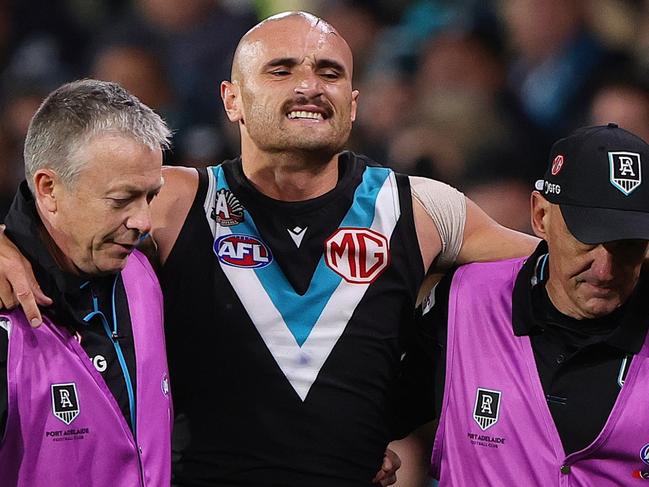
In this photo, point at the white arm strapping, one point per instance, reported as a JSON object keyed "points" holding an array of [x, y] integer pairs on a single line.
{"points": [[447, 208]]}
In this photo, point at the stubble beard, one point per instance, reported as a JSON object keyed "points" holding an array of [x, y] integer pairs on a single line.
{"points": [[271, 133]]}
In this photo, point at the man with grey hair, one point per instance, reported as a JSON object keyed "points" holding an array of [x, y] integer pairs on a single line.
{"points": [[88, 391]]}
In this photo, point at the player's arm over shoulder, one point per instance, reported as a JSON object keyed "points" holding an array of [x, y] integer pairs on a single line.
{"points": [[171, 207], [451, 228]]}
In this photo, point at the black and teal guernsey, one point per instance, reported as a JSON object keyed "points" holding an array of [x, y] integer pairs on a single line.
{"points": [[285, 325]]}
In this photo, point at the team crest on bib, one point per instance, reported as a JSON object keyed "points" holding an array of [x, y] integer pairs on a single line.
{"points": [[486, 408], [65, 402], [625, 171], [358, 255], [227, 210]]}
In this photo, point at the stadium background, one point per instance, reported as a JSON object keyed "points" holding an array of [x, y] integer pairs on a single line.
{"points": [[471, 92]]}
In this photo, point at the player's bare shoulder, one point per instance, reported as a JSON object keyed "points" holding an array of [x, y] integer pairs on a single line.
{"points": [[172, 205]]}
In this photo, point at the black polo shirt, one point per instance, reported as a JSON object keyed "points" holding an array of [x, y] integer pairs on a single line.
{"points": [[73, 300], [581, 363]]}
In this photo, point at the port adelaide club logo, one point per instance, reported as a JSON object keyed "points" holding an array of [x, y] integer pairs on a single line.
{"points": [[625, 171], [65, 402], [486, 408], [227, 210]]}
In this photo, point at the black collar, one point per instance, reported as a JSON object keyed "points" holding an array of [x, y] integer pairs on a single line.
{"points": [[347, 170], [532, 313]]}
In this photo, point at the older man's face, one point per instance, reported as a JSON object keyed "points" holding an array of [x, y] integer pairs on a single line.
{"points": [[590, 281], [100, 218]]}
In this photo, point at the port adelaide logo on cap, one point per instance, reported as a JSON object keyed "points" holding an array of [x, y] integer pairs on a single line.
{"points": [[65, 402], [625, 171], [487, 406]]}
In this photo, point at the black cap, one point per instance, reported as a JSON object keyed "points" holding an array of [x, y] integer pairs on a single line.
{"points": [[596, 176]]}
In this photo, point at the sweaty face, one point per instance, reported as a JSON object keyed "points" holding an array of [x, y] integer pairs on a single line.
{"points": [[590, 281], [296, 92], [101, 216]]}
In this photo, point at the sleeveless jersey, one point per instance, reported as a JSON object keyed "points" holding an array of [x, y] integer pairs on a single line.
{"points": [[64, 427], [495, 428], [283, 324]]}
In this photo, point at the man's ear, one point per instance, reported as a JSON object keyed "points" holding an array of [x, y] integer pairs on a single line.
{"points": [[46, 183], [540, 214], [231, 96], [355, 94]]}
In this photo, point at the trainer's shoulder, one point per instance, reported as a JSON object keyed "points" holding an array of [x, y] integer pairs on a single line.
{"points": [[489, 273]]}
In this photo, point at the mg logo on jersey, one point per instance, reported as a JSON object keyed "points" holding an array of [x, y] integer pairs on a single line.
{"points": [[65, 403], [242, 251], [358, 255], [625, 171], [487, 405]]}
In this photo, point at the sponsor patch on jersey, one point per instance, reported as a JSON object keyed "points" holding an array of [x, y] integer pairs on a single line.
{"points": [[65, 402], [227, 210], [358, 255], [486, 408], [238, 250]]}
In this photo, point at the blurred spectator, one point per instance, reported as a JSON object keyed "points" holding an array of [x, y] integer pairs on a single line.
{"points": [[17, 110], [505, 199], [140, 70], [194, 41], [359, 23], [625, 102], [557, 61]]}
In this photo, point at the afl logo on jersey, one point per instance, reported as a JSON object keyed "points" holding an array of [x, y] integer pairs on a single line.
{"points": [[239, 250], [358, 255]]}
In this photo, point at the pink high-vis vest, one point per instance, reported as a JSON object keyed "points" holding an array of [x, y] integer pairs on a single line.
{"points": [[495, 427], [64, 427]]}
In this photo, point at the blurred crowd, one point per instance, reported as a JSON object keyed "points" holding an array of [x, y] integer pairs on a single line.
{"points": [[472, 92]]}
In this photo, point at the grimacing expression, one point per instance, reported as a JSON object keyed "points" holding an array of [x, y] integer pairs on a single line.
{"points": [[295, 78], [100, 218], [590, 281]]}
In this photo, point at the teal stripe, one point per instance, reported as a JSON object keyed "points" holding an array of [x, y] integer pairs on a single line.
{"points": [[301, 313]]}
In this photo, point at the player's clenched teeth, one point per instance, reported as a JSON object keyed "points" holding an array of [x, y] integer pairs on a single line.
{"points": [[304, 114]]}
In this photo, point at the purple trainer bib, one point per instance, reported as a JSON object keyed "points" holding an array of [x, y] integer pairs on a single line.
{"points": [[495, 427], [64, 427]]}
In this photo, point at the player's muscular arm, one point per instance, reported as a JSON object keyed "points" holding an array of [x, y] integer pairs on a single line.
{"points": [[451, 228], [171, 207], [484, 239]]}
